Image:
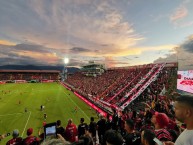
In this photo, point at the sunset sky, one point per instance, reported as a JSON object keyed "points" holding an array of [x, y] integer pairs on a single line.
{"points": [[113, 32]]}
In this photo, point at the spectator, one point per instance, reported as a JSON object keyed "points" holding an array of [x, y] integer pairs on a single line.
{"points": [[147, 137], [81, 128], [30, 139], [71, 131], [132, 137], [86, 138], [101, 127], [114, 120], [108, 123], [147, 125], [41, 134], [161, 120], [59, 141], [92, 127], [59, 129], [16, 140], [112, 137], [184, 113]]}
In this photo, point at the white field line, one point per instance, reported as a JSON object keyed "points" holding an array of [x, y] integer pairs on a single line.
{"points": [[77, 106], [26, 124], [11, 114]]}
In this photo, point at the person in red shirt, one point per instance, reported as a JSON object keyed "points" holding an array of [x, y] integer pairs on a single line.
{"points": [[16, 139], [71, 131], [160, 121], [30, 139]]}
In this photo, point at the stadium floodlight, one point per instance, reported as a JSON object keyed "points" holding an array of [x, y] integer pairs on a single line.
{"points": [[66, 60]]}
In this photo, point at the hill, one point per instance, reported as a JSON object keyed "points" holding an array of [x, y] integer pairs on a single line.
{"points": [[34, 67]]}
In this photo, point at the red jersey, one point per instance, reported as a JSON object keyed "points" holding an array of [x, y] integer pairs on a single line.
{"points": [[30, 140], [15, 141], [71, 132], [44, 123], [163, 135]]}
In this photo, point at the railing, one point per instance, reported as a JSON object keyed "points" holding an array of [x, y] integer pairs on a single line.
{"points": [[134, 89], [153, 77]]}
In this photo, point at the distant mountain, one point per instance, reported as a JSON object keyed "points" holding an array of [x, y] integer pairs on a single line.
{"points": [[33, 67]]}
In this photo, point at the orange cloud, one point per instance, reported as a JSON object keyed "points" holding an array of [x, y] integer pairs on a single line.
{"points": [[50, 58], [6, 42], [180, 13], [118, 52]]}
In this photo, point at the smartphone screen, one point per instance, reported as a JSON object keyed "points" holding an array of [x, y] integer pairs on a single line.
{"points": [[50, 130]]}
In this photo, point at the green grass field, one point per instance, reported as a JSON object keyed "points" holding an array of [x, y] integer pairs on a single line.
{"points": [[59, 104]]}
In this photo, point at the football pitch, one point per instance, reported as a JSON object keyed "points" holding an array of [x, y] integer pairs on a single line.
{"points": [[59, 103]]}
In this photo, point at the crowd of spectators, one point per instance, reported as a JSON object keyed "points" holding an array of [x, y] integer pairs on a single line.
{"points": [[93, 85], [107, 84], [28, 76], [116, 86]]}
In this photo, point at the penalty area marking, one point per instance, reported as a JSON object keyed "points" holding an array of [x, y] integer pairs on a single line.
{"points": [[26, 124]]}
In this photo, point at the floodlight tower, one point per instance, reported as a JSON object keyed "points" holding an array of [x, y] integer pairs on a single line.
{"points": [[65, 71]]}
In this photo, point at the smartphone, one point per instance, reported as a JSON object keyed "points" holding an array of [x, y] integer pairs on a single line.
{"points": [[50, 130], [158, 141]]}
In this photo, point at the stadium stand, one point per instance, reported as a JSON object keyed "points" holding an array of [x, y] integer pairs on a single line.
{"points": [[21, 76], [120, 86]]}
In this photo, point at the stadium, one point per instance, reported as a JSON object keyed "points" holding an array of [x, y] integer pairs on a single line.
{"points": [[90, 92], [96, 72]]}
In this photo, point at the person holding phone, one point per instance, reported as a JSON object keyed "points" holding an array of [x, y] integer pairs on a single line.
{"points": [[50, 130], [16, 139]]}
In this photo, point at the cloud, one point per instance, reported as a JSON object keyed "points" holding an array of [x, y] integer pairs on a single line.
{"points": [[184, 24], [110, 62], [180, 16], [79, 50], [180, 13], [188, 44], [60, 24], [16, 60], [50, 56], [6, 42], [46, 31], [27, 54], [75, 62], [31, 47], [183, 54]]}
